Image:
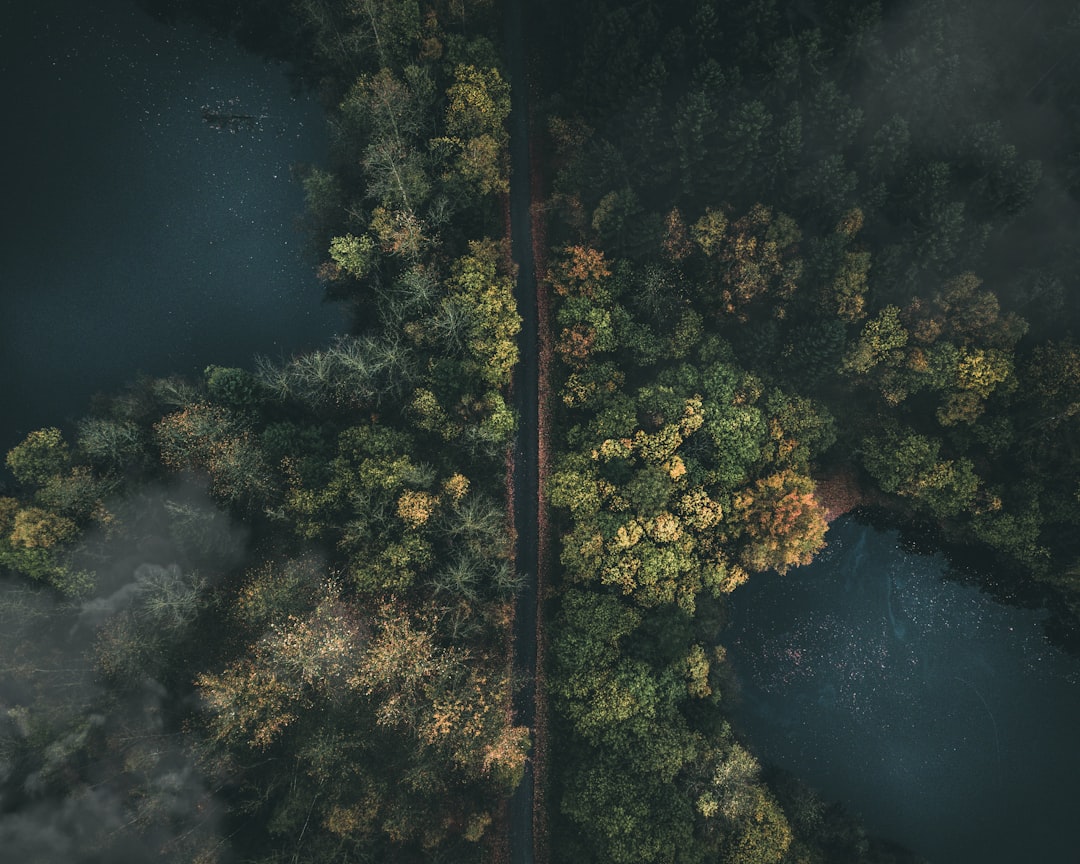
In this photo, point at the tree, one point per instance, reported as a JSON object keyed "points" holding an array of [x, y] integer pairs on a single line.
{"points": [[479, 104], [112, 445], [1052, 377], [978, 373], [963, 314], [35, 528], [353, 255], [207, 437], [141, 638], [753, 257], [881, 342], [783, 523], [581, 271], [737, 433], [487, 295], [743, 139], [908, 464], [735, 806], [798, 430], [376, 31], [41, 454], [35, 542], [845, 284]]}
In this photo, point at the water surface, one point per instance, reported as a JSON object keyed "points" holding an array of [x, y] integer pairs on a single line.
{"points": [[943, 718], [135, 237]]}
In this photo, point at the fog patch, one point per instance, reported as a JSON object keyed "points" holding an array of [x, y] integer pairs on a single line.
{"points": [[94, 764]]}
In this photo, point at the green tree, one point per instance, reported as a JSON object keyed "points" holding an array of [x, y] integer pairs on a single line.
{"points": [[234, 388], [1052, 378], [39, 456], [479, 105], [908, 464], [882, 341], [486, 293], [353, 255], [752, 258], [963, 314], [35, 542]]}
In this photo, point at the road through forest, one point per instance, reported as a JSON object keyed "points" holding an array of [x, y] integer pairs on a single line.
{"points": [[526, 402]]}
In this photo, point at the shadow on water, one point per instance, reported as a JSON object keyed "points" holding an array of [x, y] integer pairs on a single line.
{"points": [[944, 718]]}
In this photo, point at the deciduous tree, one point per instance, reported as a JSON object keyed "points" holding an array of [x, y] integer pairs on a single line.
{"points": [[783, 522]]}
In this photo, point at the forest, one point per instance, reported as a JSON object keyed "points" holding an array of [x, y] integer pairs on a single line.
{"points": [[797, 258]]}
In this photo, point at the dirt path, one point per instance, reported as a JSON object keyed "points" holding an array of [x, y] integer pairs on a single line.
{"points": [[526, 451]]}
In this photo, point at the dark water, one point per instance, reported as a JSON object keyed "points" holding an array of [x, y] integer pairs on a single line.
{"points": [[134, 236], [946, 720]]}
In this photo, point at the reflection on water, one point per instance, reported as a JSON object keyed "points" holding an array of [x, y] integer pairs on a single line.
{"points": [[946, 719]]}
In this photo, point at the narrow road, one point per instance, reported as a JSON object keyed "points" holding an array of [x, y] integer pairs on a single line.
{"points": [[526, 401]]}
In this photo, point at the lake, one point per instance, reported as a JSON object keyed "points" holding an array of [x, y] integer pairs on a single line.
{"points": [[136, 237], [946, 720]]}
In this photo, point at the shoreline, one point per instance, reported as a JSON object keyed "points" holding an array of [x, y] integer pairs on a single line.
{"points": [[842, 494]]}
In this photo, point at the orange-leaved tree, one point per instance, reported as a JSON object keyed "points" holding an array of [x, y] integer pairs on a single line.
{"points": [[783, 522]]}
